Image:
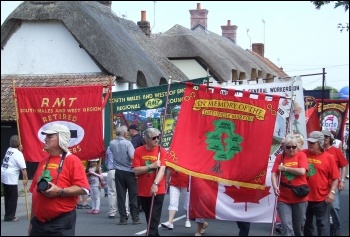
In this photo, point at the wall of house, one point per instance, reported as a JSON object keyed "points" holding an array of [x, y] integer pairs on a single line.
{"points": [[190, 67], [45, 48]]}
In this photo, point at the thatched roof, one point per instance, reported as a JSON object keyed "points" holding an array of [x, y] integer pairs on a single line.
{"points": [[220, 54], [117, 45], [8, 82]]}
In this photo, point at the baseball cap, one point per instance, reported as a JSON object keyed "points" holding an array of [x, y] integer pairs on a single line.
{"points": [[327, 133], [316, 136], [63, 134], [133, 126]]}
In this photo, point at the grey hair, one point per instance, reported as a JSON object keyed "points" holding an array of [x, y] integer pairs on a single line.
{"points": [[150, 131], [300, 139], [291, 138], [121, 130], [14, 141]]}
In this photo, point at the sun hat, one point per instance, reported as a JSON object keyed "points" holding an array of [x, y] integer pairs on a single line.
{"points": [[63, 135]]}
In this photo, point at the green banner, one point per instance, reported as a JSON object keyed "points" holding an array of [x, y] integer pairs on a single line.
{"points": [[146, 107]]}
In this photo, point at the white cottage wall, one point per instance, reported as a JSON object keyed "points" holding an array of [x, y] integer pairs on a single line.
{"points": [[44, 48]]}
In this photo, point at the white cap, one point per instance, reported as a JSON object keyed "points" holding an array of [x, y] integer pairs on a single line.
{"points": [[63, 134]]}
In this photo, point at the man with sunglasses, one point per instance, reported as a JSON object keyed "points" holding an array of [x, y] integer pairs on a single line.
{"points": [[323, 178], [341, 162], [149, 166]]}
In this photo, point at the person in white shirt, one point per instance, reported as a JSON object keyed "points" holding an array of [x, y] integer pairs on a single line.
{"points": [[12, 164], [336, 142]]}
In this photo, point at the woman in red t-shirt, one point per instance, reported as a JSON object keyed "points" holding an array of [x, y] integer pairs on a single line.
{"points": [[177, 183]]}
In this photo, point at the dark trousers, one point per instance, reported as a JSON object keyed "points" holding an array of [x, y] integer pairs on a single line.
{"points": [[126, 181], [146, 203], [244, 228], [321, 210], [11, 198], [63, 225]]}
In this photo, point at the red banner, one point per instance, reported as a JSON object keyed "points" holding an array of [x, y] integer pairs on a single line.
{"points": [[311, 115], [333, 115], [223, 137], [77, 107]]}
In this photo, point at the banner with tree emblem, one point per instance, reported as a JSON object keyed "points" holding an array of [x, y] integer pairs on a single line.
{"points": [[224, 136]]}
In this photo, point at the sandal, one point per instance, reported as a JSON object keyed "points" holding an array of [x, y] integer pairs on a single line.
{"points": [[205, 225], [96, 212]]}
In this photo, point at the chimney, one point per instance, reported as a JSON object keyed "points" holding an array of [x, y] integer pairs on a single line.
{"points": [[106, 3], [199, 17], [144, 25], [229, 31], [258, 48]]}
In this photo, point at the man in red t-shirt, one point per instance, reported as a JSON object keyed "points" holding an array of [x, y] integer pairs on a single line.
{"points": [[323, 175], [341, 162], [149, 166], [58, 181]]}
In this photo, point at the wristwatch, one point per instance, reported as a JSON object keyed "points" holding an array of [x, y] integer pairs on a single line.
{"points": [[62, 192], [155, 183], [332, 191], [343, 180]]}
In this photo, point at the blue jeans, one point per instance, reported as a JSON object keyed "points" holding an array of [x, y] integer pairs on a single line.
{"points": [[335, 212], [321, 210]]}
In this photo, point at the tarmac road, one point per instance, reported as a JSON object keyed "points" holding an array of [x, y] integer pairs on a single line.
{"points": [[101, 225]]}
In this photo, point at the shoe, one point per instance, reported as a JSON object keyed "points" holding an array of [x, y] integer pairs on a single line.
{"points": [[167, 225], [197, 234], [12, 220], [122, 222], [187, 223], [111, 217], [205, 225], [106, 195], [79, 206], [86, 206], [347, 176], [96, 212], [137, 222], [278, 228]]}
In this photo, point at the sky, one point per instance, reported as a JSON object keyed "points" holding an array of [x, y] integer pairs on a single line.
{"points": [[297, 37]]}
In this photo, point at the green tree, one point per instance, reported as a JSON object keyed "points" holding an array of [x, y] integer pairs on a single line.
{"points": [[332, 89], [345, 4]]}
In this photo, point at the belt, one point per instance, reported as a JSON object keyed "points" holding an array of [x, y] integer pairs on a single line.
{"points": [[111, 169]]}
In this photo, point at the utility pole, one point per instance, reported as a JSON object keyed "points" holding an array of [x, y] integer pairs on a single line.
{"points": [[323, 85]]}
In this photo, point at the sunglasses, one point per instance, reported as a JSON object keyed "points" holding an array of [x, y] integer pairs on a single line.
{"points": [[154, 138], [293, 147]]}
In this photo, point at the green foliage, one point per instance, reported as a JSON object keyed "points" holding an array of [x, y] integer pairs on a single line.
{"points": [[345, 4], [332, 89]]}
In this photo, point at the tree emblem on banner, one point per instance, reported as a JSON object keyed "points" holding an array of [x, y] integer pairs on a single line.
{"points": [[224, 142]]}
